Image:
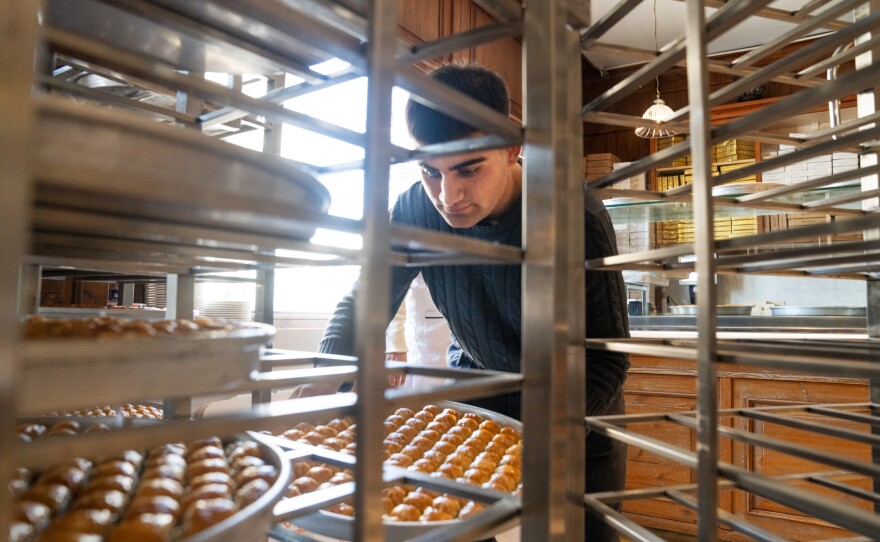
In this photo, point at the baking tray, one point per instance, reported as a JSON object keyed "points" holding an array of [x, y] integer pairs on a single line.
{"points": [[92, 312], [247, 525], [724, 310], [787, 310], [57, 374], [341, 527], [252, 523], [102, 161]]}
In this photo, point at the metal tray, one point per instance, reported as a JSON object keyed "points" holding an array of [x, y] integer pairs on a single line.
{"points": [[102, 161], [83, 312], [786, 310], [339, 526], [253, 522], [725, 310], [58, 374]]}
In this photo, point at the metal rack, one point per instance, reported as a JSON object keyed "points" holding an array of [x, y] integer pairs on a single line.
{"points": [[161, 47], [852, 508]]}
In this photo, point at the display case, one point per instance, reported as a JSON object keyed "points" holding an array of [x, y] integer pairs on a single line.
{"points": [[115, 170], [779, 464]]}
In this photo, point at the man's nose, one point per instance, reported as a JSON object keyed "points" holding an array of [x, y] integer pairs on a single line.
{"points": [[450, 191]]}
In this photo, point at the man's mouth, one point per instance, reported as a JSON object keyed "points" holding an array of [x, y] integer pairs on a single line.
{"points": [[458, 209]]}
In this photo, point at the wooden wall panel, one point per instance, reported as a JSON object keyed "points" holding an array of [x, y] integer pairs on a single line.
{"points": [[651, 393], [762, 393], [421, 21], [503, 57], [56, 293]]}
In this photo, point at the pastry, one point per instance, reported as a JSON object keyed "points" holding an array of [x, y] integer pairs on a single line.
{"points": [[144, 528], [55, 497], [205, 513], [156, 504], [251, 491]]}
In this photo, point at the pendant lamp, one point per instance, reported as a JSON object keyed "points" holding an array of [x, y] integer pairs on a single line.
{"points": [[659, 112]]}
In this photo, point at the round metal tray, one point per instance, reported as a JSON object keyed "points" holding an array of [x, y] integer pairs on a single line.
{"points": [[339, 526], [786, 310], [102, 161], [247, 525], [253, 522], [58, 373], [722, 310]]}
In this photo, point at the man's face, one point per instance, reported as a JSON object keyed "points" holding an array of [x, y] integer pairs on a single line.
{"points": [[467, 188]]}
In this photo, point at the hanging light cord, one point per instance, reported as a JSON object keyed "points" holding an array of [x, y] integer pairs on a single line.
{"points": [[656, 47]]}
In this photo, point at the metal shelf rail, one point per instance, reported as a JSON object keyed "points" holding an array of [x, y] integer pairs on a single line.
{"points": [[790, 252], [256, 36]]}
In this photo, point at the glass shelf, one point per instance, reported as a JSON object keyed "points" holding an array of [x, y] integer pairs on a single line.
{"points": [[637, 210]]}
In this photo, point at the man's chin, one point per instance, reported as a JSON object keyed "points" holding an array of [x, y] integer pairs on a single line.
{"points": [[460, 221]]}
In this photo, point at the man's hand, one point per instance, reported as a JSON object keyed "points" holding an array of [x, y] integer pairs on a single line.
{"points": [[312, 390], [395, 381]]}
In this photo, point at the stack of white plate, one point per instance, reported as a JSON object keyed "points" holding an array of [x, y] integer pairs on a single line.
{"points": [[232, 310], [199, 303], [154, 295]]}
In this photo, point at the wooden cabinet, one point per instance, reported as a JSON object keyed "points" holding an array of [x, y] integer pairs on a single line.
{"points": [[669, 385], [421, 21]]}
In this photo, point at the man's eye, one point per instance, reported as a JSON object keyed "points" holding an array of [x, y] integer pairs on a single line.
{"points": [[469, 171], [430, 173]]}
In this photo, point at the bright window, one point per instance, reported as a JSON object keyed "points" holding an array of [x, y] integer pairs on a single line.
{"points": [[316, 290]]}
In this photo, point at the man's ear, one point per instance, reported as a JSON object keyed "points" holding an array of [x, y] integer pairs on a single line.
{"points": [[512, 155]]}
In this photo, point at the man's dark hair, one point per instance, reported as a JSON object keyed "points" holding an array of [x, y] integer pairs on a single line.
{"points": [[428, 126]]}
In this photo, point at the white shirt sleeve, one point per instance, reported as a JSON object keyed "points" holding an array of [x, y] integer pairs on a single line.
{"points": [[395, 339]]}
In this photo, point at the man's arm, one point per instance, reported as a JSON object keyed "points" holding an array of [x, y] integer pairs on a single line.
{"points": [[606, 315]]}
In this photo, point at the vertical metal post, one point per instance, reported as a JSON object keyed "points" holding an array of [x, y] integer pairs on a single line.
{"points": [[544, 316], [29, 289], [190, 105], [18, 34], [272, 134], [574, 295], [179, 300], [374, 284], [264, 307], [868, 102], [127, 294], [264, 311], [704, 242]]}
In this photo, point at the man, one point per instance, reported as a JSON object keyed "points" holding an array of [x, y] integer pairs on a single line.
{"points": [[478, 194]]}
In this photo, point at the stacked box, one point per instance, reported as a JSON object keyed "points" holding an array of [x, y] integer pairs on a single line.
{"points": [[844, 161], [796, 173], [818, 166], [797, 220], [733, 149], [634, 236], [665, 182], [599, 165], [665, 142], [748, 179], [812, 168], [636, 182], [682, 231]]}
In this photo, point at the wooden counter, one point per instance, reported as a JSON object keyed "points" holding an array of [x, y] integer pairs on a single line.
{"points": [[668, 385]]}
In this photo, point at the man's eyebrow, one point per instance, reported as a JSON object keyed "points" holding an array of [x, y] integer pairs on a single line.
{"points": [[466, 163]]}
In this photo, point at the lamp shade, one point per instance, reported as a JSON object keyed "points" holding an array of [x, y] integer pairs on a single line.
{"points": [[659, 112]]}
